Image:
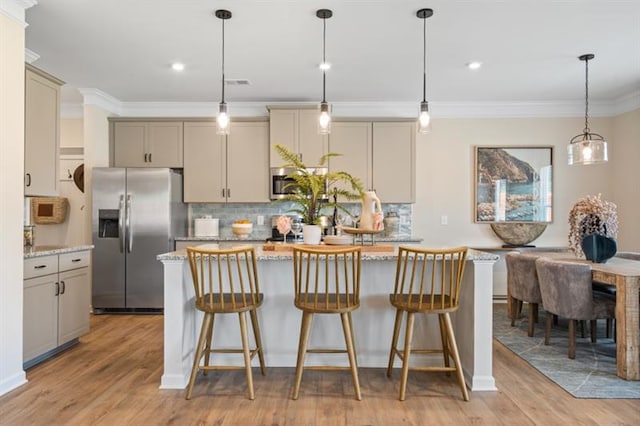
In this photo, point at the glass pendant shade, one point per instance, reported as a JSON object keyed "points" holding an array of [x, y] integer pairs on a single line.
{"points": [[222, 120], [587, 148], [324, 120], [424, 119], [587, 151]]}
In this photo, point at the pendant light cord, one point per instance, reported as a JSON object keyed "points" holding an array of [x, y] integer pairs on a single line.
{"points": [[586, 98], [424, 60], [223, 61], [324, 58]]}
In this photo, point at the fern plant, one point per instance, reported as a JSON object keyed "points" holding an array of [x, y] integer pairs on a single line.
{"points": [[309, 194]]}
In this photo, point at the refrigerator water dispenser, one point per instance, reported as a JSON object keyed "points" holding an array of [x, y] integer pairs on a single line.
{"points": [[108, 223]]}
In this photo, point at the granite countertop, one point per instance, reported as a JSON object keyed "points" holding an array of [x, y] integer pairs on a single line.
{"points": [[260, 237], [262, 254], [39, 251]]}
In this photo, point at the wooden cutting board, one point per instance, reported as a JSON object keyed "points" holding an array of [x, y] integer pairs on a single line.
{"points": [[365, 248]]}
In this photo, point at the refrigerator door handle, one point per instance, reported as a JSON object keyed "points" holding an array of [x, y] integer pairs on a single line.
{"points": [[120, 224], [128, 222]]}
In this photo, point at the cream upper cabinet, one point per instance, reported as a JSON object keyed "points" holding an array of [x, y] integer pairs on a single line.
{"points": [[297, 129], [353, 141], [42, 132], [394, 164], [147, 144], [381, 154], [247, 162], [226, 169]]}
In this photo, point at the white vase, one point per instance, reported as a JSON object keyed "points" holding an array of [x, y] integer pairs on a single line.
{"points": [[311, 234]]}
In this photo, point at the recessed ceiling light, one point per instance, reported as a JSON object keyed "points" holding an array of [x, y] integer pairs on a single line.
{"points": [[474, 65], [325, 66], [177, 66]]}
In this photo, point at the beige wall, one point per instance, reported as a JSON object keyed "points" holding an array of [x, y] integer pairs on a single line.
{"points": [[624, 151], [445, 165], [72, 231], [11, 201]]}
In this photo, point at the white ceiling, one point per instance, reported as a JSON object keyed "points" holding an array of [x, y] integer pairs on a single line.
{"points": [[529, 49]]}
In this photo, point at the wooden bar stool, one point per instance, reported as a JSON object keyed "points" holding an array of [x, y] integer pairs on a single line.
{"points": [[225, 282], [428, 282], [327, 281]]}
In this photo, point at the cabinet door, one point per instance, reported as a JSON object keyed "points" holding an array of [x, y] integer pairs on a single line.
{"points": [[311, 144], [42, 117], [40, 316], [164, 144], [129, 145], [283, 130], [204, 164], [247, 170], [353, 141], [74, 303], [394, 147]]}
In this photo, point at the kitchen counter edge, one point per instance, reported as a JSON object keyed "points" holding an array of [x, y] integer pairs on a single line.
{"points": [[280, 255], [39, 251]]}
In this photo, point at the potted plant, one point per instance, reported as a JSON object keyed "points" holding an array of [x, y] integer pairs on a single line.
{"points": [[309, 198]]}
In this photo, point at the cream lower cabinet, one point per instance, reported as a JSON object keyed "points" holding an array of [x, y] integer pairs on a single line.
{"points": [[232, 168], [297, 129], [41, 132], [381, 154], [57, 299], [147, 144]]}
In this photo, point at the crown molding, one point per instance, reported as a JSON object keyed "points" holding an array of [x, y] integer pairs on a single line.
{"points": [[30, 56], [626, 103], [546, 109], [15, 9], [101, 99]]}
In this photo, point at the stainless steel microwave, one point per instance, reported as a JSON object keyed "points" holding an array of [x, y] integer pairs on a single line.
{"points": [[281, 183]]}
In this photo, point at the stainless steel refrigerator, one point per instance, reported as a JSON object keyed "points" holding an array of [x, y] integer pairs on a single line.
{"points": [[137, 213]]}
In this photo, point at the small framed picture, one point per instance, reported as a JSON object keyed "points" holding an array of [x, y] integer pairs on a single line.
{"points": [[513, 184]]}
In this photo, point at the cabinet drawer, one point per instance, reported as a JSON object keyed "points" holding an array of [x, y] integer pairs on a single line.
{"points": [[39, 266], [75, 260]]}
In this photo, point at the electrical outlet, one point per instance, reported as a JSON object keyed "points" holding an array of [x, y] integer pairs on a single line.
{"points": [[444, 220], [260, 220]]}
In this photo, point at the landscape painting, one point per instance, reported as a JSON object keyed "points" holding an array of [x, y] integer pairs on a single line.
{"points": [[513, 184]]}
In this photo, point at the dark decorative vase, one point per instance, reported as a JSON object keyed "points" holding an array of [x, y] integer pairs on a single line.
{"points": [[598, 248]]}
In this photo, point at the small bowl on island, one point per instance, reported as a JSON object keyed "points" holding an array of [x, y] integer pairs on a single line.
{"points": [[242, 228]]}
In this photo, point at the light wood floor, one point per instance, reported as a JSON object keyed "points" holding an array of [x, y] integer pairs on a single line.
{"points": [[112, 378]]}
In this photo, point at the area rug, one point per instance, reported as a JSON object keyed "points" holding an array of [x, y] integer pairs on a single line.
{"points": [[592, 374]]}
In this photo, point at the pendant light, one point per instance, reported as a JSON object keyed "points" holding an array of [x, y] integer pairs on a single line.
{"points": [[424, 119], [324, 120], [222, 120], [587, 148]]}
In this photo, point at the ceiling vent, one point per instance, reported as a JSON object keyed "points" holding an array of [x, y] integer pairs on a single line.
{"points": [[236, 82]]}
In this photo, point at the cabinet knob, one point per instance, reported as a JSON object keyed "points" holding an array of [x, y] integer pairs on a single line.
{"points": [[146, 156], [28, 179], [40, 266], [228, 192], [57, 289], [63, 287], [150, 154]]}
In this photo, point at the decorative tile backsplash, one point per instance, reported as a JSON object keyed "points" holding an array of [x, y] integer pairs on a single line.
{"points": [[228, 213]]}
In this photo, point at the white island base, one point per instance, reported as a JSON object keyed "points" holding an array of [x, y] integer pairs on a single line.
{"points": [[372, 322]]}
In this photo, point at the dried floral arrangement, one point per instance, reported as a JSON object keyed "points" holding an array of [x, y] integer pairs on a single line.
{"points": [[591, 215]]}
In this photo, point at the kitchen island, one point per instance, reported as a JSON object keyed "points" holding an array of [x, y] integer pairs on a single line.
{"points": [[372, 322]]}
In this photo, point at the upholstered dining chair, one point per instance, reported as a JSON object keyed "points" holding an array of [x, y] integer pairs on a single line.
{"points": [[327, 281], [427, 281], [225, 282], [523, 286], [567, 292]]}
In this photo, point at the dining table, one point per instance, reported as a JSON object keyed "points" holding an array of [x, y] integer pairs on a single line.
{"points": [[624, 274]]}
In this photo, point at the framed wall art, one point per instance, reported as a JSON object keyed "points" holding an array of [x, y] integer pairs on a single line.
{"points": [[513, 184]]}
